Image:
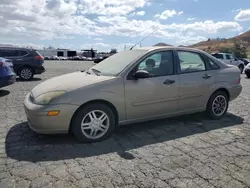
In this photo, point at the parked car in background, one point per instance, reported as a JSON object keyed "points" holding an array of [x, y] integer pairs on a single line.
{"points": [[246, 61], [230, 59], [247, 70], [127, 88], [54, 57], [77, 58], [26, 62], [99, 59], [7, 75], [62, 58]]}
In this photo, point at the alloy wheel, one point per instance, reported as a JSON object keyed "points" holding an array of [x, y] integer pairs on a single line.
{"points": [[219, 105], [95, 124], [26, 74]]}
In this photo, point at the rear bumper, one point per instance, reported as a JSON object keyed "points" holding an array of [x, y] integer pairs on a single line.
{"points": [[39, 70], [7, 80], [235, 92]]}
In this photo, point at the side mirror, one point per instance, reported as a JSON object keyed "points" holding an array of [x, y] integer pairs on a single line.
{"points": [[141, 74]]}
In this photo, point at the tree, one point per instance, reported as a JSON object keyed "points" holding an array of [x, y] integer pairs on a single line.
{"points": [[113, 51], [239, 49], [209, 49], [225, 49]]}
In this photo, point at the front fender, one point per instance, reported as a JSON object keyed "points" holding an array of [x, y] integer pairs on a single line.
{"points": [[112, 92]]}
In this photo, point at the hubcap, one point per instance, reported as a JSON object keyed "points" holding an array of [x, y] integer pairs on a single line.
{"points": [[95, 124], [26, 74], [219, 105]]}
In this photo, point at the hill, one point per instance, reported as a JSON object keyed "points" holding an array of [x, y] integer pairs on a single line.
{"points": [[213, 45], [162, 44]]}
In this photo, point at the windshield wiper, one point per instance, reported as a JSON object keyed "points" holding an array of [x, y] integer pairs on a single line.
{"points": [[97, 72]]}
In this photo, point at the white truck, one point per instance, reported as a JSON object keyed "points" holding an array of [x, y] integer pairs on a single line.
{"points": [[230, 59]]}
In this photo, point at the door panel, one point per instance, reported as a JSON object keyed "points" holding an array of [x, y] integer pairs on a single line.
{"points": [[151, 97], [156, 95], [195, 81]]}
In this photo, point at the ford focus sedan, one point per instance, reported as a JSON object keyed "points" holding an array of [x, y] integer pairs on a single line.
{"points": [[132, 86]]}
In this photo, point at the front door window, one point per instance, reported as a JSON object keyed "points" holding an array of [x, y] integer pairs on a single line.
{"points": [[158, 64]]}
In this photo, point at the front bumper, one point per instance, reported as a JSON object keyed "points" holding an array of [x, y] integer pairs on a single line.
{"points": [[7, 80], [247, 70], [40, 122]]}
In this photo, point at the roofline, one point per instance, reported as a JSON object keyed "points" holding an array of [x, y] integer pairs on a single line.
{"points": [[153, 48], [18, 47]]}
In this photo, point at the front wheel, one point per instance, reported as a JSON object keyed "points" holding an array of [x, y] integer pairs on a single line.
{"points": [[93, 123], [248, 75], [217, 105]]}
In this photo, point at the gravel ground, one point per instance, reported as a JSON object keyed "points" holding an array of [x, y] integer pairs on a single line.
{"points": [[188, 151]]}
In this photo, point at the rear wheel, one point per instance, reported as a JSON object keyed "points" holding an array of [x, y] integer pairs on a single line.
{"points": [[26, 73], [217, 105], [241, 67], [93, 123], [248, 75]]}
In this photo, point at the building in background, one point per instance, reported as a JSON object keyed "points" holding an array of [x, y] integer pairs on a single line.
{"points": [[89, 53], [57, 52]]}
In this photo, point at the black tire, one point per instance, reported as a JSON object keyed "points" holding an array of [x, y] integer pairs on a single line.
{"points": [[81, 113], [23, 76], [248, 75], [209, 109], [241, 67]]}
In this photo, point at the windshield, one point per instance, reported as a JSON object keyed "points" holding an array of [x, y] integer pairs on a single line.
{"points": [[114, 64]]}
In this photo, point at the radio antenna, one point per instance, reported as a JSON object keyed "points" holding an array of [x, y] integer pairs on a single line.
{"points": [[143, 39]]}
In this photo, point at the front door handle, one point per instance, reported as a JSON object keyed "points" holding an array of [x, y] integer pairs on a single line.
{"points": [[168, 82], [206, 76]]}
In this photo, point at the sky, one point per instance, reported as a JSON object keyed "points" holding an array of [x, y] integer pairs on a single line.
{"points": [[106, 24]]}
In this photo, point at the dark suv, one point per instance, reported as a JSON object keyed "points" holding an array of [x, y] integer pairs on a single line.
{"points": [[26, 62]]}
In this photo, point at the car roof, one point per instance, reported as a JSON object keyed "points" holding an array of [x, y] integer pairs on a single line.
{"points": [[16, 48], [152, 48], [222, 53]]}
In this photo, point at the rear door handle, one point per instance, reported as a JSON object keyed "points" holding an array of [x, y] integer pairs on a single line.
{"points": [[168, 82], [206, 76]]}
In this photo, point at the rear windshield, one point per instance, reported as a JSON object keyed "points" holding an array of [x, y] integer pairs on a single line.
{"points": [[218, 56], [38, 53]]}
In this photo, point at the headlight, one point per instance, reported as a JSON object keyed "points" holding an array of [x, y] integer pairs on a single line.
{"points": [[47, 97], [248, 65]]}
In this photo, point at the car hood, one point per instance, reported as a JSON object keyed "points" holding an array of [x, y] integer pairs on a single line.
{"points": [[68, 82]]}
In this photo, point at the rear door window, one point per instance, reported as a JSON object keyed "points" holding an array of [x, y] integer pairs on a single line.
{"points": [[218, 56], [190, 62], [23, 53], [9, 53]]}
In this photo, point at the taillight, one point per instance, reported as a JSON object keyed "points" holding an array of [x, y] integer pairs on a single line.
{"points": [[1, 64], [38, 57]]}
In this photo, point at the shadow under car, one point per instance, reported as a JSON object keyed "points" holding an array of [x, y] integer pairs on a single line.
{"points": [[23, 144]]}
